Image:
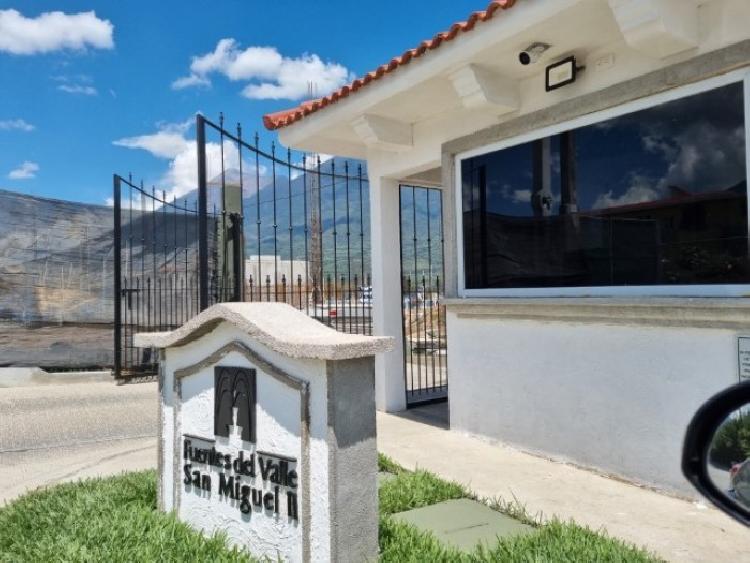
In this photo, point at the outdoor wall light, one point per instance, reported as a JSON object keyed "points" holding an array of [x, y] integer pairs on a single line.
{"points": [[561, 73]]}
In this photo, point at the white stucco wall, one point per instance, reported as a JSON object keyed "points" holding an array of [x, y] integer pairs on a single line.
{"points": [[612, 397]]}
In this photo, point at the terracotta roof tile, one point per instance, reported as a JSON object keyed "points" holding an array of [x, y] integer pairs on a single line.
{"points": [[283, 118]]}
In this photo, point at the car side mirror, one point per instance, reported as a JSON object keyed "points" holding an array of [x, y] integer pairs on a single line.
{"points": [[716, 453]]}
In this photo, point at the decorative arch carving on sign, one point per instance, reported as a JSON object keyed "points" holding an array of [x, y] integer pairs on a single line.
{"points": [[234, 388]]}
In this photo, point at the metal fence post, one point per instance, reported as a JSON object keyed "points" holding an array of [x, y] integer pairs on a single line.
{"points": [[118, 277], [238, 256], [200, 127]]}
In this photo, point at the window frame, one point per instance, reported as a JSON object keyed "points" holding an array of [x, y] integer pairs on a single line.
{"points": [[702, 290]]}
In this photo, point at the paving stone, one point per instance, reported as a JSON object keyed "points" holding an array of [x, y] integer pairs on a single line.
{"points": [[463, 523]]}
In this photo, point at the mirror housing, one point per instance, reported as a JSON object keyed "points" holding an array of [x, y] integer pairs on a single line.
{"points": [[698, 439]]}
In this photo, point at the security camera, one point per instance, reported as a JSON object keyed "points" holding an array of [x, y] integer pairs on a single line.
{"points": [[532, 53]]}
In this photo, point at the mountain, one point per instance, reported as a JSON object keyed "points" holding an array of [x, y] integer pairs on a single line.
{"points": [[295, 195], [298, 198], [232, 176]]}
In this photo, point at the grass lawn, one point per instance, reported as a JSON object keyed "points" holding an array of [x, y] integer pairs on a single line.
{"points": [[115, 519], [555, 540]]}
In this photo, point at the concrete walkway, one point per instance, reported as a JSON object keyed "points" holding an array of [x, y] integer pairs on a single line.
{"points": [[21, 472], [675, 529], [52, 432]]}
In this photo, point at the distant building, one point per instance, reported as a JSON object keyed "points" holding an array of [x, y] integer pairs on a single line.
{"points": [[274, 267]]}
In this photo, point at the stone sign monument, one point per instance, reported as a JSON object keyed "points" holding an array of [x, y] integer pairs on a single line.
{"points": [[267, 431]]}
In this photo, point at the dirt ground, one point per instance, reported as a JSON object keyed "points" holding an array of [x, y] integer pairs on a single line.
{"points": [[66, 346]]}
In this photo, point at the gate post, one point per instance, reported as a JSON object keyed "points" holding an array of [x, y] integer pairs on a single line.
{"points": [[200, 141], [117, 289], [385, 230], [238, 255]]}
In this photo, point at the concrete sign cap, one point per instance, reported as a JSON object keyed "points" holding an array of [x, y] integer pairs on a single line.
{"points": [[278, 326]]}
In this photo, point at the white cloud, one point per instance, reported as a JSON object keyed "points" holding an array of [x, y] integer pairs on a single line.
{"points": [[53, 31], [658, 145], [521, 196], [641, 190], [700, 140], [310, 163], [270, 75], [168, 142], [604, 125], [702, 154], [17, 124], [181, 177], [78, 89], [162, 144], [256, 62], [126, 203], [82, 78], [188, 81], [707, 157], [26, 171]]}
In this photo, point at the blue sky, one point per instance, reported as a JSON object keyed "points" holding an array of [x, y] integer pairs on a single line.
{"points": [[71, 86]]}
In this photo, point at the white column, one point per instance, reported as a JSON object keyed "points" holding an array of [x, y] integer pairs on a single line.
{"points": [[390, 392]]}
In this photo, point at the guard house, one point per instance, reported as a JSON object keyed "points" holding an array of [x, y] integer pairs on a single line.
{"points": [[592, 160]]}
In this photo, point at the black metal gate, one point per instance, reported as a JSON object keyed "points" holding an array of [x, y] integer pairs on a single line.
{"points": [[261, 225], [423, 315], [156, 269]]}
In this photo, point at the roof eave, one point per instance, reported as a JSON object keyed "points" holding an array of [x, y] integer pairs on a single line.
{"points": [[309, 132]]}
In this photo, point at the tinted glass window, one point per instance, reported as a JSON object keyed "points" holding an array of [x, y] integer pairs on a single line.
{"points": [[655, 197]]}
